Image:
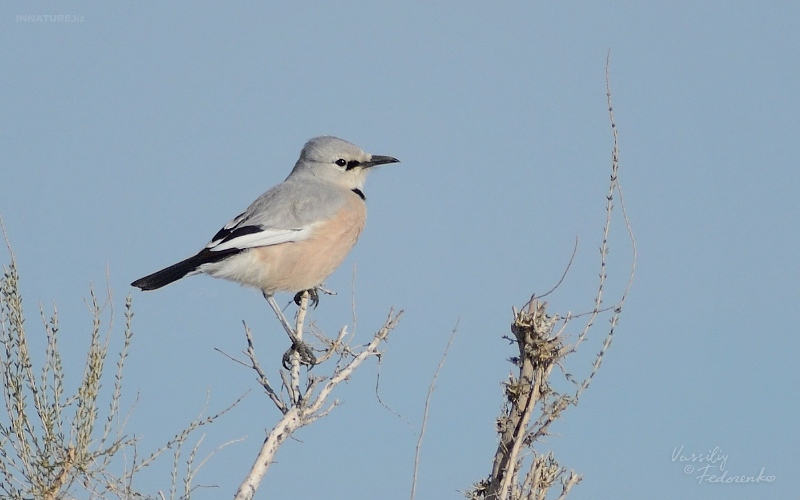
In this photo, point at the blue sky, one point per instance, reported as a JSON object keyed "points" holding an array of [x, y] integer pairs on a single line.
{"points": [[133, 132]]}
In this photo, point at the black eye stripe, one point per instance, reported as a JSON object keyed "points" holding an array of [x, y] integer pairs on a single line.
{"points": [[348, 164]]}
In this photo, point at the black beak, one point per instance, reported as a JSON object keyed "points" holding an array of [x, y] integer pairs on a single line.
{"points": [[379, 160]]}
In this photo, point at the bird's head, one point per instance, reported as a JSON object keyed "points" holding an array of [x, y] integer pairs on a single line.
{"points": [[337, 161]]}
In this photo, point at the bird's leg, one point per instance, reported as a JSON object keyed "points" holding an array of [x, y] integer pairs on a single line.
{"points": [[304, 350], [286, 326]]}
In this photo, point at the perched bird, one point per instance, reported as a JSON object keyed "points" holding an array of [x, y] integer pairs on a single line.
{"points": [[294, 235]]}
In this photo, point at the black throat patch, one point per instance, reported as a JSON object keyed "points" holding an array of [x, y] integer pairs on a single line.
{"points": [[360, 194]]}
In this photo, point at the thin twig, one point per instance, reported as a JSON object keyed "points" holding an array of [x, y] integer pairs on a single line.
{"points": [[8, 243], [262, 376], [427, 406], [382, 403], [563, 275], [333, 346], [614, 168]]}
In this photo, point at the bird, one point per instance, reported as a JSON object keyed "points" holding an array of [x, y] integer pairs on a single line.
{"points": [[295, 235]]}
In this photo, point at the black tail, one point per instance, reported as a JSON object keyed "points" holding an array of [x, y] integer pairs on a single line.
{"points": [[177, 271]]}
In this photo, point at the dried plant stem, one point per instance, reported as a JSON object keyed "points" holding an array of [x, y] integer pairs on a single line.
{"points": [[541, 347], [538, 351], [425, 412], [262, 377]]}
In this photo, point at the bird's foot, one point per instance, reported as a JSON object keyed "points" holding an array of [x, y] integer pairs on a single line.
{"points": [[313, 297], [307, 357]]}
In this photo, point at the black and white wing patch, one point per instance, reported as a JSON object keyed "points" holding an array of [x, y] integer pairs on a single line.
{"points": [[241, 237]]}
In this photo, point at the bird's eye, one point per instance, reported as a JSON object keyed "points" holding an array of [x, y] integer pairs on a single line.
{"points": [[341, 162]]}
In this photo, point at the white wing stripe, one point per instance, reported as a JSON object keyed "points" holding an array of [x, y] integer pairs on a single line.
{"points": [[263, 238]]}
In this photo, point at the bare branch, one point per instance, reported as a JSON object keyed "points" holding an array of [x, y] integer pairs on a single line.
{"points": [[306, 406], [262, 377]]}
